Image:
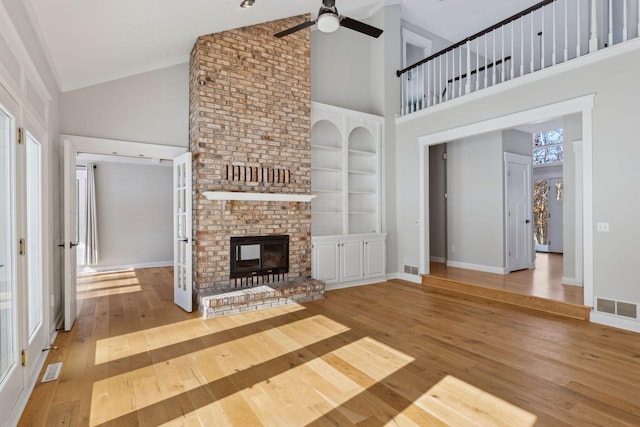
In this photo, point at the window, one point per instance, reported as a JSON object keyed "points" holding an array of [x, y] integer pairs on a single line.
{"points": [[547, 147]]}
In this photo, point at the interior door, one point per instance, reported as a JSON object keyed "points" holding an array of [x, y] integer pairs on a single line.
{"points": [[556, 199], [519, 211], [182, 276], [70, 243]]}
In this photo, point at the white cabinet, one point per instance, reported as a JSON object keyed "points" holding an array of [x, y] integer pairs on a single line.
{"points": [[345, 171], [349, 259]]}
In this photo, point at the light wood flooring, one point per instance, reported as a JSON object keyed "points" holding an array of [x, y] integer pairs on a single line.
{"points": [[393, 353], [545, 281]]}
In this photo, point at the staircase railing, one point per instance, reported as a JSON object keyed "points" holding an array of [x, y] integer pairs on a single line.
{"points": [[546, 34]]}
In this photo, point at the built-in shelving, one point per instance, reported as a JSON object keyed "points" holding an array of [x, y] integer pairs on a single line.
{"points": [[345, 171]]}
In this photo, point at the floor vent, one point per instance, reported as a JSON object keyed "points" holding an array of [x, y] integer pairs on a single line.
{"points": [[52, 372], [618, 308]]}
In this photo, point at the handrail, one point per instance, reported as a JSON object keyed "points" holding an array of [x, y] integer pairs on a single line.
{"points": [[477, 35]]}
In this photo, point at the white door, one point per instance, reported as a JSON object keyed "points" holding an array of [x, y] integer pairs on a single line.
{"points": [[519, 211], [70, 243], [556, 199], [325, 261], [11, 373], [182, 276]]}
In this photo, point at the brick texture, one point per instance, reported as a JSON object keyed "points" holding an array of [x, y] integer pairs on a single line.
{"points": [[250, 131]]}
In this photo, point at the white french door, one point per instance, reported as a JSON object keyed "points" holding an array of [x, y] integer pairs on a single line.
{"points": [[182, 278], [11, 374]]}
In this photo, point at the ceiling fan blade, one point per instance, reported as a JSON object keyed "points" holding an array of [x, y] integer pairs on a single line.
{"points": [[360, 27], [294, 29]]}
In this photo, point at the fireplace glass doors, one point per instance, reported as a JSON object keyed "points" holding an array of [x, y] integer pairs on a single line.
{"points": [[259, 255]]}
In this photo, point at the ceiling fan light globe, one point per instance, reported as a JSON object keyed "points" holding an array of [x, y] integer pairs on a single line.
{"points": [[328, 23]]}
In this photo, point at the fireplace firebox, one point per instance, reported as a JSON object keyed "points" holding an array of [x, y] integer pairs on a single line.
{"points": [[259, 256]]}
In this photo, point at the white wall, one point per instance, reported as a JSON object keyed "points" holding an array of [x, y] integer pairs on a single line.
{"points": [[134, 208], [354, 71], [615, 151], [475, 213], [152, 107]]}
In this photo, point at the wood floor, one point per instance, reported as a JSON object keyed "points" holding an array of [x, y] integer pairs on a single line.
{"points": [[393, 353], [545, 281]]}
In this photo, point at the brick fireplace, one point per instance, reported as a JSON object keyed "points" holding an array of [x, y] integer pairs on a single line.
{"points": [[249, 132]]}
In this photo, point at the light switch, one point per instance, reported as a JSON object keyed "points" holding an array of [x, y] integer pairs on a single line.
{"points": [[602, 227]]}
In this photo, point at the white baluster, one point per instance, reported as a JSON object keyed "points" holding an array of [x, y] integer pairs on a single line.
{"points": [[610, 32], [486, 61], [414, 98], [542, 31], [625, 18], [504, 63], [593, 39], [478, 63], [467, 86], [493, 55], [522, 46], [513, 59], [422, 86], [460, 92], [440, 79], [566, 30], [578, 21], [403, 97], [453, 74], [435, 81], [532, 62], [553, 36]]}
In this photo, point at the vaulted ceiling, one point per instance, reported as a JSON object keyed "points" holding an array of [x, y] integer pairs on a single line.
{"points": [[90, 42]]}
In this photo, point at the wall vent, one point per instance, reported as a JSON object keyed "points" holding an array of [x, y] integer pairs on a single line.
{"points": [[410, 269], [626, 309], [606, 306], [619, 308]]}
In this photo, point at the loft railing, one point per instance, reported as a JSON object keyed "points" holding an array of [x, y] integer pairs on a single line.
{"points": [[546, 34]]}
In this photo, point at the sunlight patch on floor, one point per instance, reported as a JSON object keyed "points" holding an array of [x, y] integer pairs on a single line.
{"points": [[136, 389], [283, 400], [111, 284], [127, 345], [457, 402], [107, 292]]}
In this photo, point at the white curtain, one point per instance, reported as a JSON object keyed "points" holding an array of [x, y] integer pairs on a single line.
{"points": [[92, 219]]}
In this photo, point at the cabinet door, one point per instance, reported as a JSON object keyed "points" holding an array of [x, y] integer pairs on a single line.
{"points": [[352, 259], [374, 258], [326, 261]]}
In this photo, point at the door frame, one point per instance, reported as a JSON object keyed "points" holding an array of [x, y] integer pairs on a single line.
{"points": [[582, 105]]}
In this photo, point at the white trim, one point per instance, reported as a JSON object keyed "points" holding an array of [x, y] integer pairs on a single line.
{"points": [[614, 321], [261, 197], [406, 277], [583, 105], [101, 268], [21, 403], [354, 283], [116, 147], [423, 221], [477, 267], [571, 281]]}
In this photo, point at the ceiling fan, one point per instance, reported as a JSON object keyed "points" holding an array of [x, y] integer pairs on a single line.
{"points": [[329, 20]]}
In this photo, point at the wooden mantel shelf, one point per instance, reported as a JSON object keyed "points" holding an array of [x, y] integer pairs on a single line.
{"points": [[260, 197]]}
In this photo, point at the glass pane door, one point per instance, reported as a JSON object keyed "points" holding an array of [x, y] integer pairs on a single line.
{"points": [[8, 319], [34, 234]]}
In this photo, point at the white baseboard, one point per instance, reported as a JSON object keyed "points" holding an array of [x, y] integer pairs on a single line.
{"points": [[570, 281], [362, 282], [614, 321], [406, 277], [477, 267], [53, 333], [439, 259], [90, 269]]}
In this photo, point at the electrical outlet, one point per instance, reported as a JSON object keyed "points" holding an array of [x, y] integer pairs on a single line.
{"points": [[602, 227]]}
